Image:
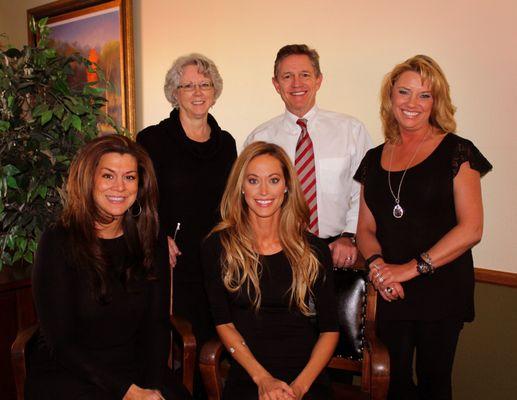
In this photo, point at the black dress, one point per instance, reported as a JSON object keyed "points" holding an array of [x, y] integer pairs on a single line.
{"points": [[191, 180], [88, 349], [280, 337], [430, 317], [428, 200]]}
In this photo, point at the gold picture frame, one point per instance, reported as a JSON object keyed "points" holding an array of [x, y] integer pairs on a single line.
{"points": [[78, 20]]}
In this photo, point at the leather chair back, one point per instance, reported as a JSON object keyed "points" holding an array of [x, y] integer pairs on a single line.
{"points": [[351, 285]]}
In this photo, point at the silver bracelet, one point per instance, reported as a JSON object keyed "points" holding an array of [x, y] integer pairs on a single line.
{"points": [[427, 258]]}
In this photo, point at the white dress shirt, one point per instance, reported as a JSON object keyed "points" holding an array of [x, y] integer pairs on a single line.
{"points": [[339, 143]]}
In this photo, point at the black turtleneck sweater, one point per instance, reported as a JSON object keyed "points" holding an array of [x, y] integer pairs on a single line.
{"points": [[191, 179]]}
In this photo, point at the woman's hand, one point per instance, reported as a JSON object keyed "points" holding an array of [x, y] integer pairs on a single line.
{"points": [[270, 388], [393, 291], [298, 390], [386, 278], [174, 251], [382, 274], [137, 393]]}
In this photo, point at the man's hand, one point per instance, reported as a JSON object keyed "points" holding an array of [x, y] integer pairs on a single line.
{"points": [[174, 251], [344, 252]]}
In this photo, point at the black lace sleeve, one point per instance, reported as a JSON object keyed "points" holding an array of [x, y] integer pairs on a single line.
{"points": [[466, 151], [362, 170]]}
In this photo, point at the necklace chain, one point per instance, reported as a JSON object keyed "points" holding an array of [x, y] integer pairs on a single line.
{"points": [[397, 210]]}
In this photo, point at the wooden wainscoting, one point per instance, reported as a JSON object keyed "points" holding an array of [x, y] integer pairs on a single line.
{"points": [[496, 277]]}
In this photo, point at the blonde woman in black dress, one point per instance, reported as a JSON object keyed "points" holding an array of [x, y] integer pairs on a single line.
{"points": [[420, 215], [270, 283]]}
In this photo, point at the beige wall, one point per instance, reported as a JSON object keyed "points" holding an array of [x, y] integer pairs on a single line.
{"points": [[473, 40]]}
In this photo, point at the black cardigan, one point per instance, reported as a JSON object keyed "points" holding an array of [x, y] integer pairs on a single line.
{"points": [[191, 179]]}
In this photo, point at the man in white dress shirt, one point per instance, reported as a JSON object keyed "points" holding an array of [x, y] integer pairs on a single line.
{"points": [[339, 144]]}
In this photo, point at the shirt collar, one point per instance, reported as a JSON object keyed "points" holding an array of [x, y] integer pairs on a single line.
{"points": [[290, 120]]}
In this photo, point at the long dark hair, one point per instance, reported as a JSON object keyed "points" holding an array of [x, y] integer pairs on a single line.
{"points": [[80, 214]]}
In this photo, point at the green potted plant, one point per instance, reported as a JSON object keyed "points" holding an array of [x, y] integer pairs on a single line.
{"points": [[46, 115]]}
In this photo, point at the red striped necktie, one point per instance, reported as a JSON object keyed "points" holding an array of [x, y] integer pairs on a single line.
{"points": [[305, 167]]}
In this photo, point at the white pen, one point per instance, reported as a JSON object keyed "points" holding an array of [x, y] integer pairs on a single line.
{"points": [[178, 227]]}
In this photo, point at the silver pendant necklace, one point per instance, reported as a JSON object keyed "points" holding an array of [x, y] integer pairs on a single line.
{"points": [[398, 211]]}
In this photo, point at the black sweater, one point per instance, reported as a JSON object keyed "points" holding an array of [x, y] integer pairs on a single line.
{"points": [[191, 179], [89, 347]]}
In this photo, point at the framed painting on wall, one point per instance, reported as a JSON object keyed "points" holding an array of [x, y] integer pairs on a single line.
{"points": [[101, 31]]}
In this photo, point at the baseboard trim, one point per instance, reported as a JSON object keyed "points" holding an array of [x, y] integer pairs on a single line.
{"points": [[496, 277]]}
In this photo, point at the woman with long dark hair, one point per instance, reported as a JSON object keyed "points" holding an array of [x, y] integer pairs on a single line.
{"points": [[101, 284]]}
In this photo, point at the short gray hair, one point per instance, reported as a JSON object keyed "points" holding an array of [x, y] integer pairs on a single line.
{"points": [[204, 65]]}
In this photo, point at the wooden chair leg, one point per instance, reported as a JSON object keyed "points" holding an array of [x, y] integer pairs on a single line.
{"points": [[188, 351], [209, 365], [18, 361]]}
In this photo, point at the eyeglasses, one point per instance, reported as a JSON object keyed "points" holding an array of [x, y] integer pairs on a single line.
{"points": [[190, 87]]}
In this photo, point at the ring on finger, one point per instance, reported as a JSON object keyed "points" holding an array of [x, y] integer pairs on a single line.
{"points": [[381, 279], [348, 258], [389, 290]]}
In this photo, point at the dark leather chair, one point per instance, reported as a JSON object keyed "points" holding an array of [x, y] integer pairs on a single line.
{"points": [[183, 351], [359, 350]]}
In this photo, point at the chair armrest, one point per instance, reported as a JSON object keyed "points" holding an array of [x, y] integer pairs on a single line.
{"points": [[18, 358], [209, 365], [184, 329], [377, 361]]}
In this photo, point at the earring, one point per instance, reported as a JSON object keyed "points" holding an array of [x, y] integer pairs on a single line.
{"points": [[285, 190], [242, 192], [133, 214]]}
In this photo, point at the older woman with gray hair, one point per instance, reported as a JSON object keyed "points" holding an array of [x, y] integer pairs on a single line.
{"points": [[192, 157]]}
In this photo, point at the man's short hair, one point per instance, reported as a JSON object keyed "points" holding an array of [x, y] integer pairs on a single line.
{"points": [[292, 49]]}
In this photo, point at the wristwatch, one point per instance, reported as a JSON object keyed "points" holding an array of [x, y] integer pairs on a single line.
{"points": [[349, 235], [423, 267]]}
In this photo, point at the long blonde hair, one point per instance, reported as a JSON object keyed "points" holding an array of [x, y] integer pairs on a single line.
{"points": [[442, 114], [240, 259]]}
